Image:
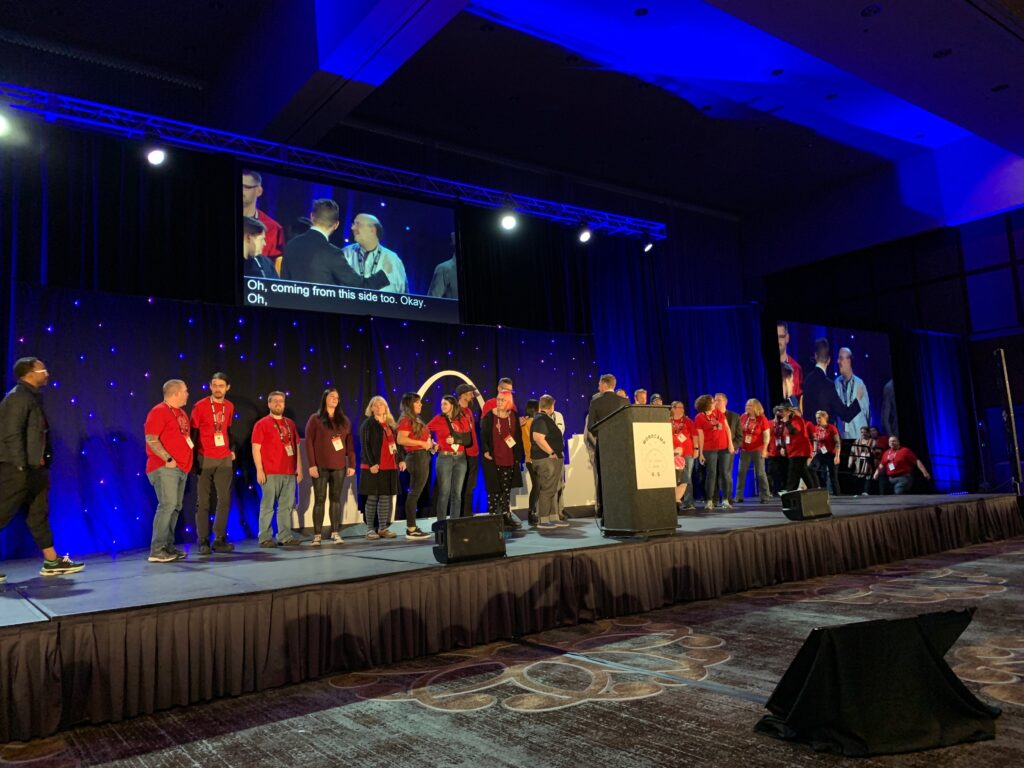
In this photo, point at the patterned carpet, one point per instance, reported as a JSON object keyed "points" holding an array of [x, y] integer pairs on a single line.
{"points": [[682, 686]]}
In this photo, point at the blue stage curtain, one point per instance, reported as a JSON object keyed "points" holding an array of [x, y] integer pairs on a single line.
{"points": [[943, 397]]}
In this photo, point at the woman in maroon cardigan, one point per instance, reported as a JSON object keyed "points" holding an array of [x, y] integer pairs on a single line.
{"points": [[332, 457], [502, 447]]}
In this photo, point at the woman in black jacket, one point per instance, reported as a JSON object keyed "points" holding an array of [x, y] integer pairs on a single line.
{"points": [[379, 467], [500, 440]]}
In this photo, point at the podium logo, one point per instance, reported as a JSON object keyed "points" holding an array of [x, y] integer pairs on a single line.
{"points": [[655, 462]]}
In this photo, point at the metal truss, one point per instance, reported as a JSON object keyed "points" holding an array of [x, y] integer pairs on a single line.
{"points": [[138, 126]]}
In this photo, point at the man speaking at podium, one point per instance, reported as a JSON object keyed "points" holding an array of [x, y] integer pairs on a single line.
{"points": [[603, 404]]}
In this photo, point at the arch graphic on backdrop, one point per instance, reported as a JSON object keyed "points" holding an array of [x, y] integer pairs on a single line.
{"points": [[457, 374]]}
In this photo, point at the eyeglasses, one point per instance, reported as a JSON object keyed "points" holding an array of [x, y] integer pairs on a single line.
{"points": [[40, 370]]}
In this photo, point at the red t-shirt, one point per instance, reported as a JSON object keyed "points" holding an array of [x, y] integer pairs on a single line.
{"points": [[274, 436], [824, 438], [274, 245], [901, 462], [683, 434], [798, 376], [715, 429], [798, 446], [213, 420], [439, 426], [405, 425], [388, 456], [753, 432], [172, 428], [474, 448]]}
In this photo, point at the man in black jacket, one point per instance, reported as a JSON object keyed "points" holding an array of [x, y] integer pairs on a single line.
{"points": [[25, 455], [310, 257], [820, 389], [603, 404]]}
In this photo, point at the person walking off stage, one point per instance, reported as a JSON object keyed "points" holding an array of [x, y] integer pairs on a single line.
{"points": [[25, 456], [275, 452], [211, 420], [168, 461]]}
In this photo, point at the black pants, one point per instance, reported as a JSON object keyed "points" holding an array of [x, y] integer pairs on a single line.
{"points": [[718, 468], [499, 502], [327, 487], [534, 488], [214, 475], [28, 487], [825, 468], [776, 467], [469, 485], [417, 463], [798, 471]]}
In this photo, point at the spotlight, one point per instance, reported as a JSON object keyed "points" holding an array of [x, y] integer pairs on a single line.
{"points": [[156, 156], [648, 248], [584, 234], [5, 126], [509, 221]]}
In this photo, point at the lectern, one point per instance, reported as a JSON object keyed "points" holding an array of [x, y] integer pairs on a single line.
{"points": [[638, 475]]}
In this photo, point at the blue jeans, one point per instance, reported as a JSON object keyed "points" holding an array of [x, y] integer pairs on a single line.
{"points": [[899, 484], [688, 493], [279, 490], [718, 468], [169, 485], [451, 473], [763, 489]]}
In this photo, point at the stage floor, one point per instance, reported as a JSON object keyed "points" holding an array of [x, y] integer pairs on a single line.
{"points": [[128, 581]]}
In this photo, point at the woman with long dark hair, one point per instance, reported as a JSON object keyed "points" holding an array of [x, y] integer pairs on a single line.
{"points": [[379, 467], [415, 444], [332, 458], [452, 433]]}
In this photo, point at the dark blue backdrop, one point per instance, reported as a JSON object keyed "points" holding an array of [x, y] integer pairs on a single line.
{"points": [[108, 357]]}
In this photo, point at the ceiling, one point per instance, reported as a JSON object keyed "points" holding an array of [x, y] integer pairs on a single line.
{"points": [[736, 105]]}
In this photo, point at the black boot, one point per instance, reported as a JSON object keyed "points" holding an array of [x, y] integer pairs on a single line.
{"points": [[510, 522]]}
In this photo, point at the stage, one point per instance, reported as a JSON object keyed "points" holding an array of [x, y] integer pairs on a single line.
{"points": [[127, 637]]}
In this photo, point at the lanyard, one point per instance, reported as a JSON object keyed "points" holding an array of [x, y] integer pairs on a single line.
{"points": [[285, 434], [218, 418], [181, 418], [364, 259]]}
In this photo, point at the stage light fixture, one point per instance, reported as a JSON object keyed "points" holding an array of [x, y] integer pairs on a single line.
{"points": [[509, 221], [156, 156], [585, 234], [5, 126], [649, 247]]}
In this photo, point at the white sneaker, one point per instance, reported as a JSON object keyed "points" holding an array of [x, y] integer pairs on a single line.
{"points": [[316, 540], [336, 538]]}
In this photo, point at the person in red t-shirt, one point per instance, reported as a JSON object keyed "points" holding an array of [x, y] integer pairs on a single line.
{"points": [[797, 446], [684, 448], [898, 467], [252, 190], [776, 463], [714, 447], [331, 456], [826, 445], [453, 435], [416, 447], [275, 452], [379, 467], [501, 441], [211, 421], [756, 436], [797, 387], [504, 385], [168, 461], [465, 394]]}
